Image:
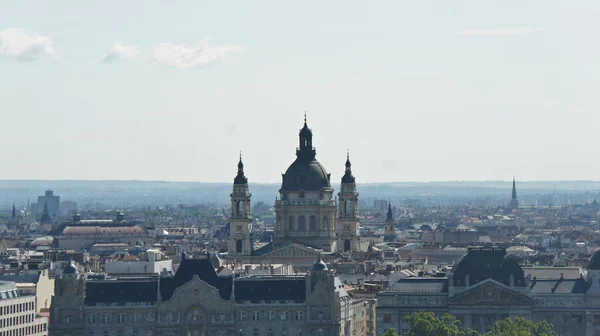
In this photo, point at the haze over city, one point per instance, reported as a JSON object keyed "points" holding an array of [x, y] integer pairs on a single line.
{"points": [[417, 91]]}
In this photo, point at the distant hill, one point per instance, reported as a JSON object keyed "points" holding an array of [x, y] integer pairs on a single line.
{"points": [[139, 193]]}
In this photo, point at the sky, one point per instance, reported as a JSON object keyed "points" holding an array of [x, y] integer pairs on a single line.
{"points": [[415, 90]]}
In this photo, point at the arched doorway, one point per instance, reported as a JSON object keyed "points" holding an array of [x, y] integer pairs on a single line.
{"points": [[238, 246], [347, 245]]}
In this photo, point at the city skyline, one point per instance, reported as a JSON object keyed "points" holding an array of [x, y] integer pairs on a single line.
{"points": [[439, 91]]}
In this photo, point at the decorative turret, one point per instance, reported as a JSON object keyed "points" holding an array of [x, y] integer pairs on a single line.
{"points": [[305, 151], [320, 265], [240, 177], [348, 177]]}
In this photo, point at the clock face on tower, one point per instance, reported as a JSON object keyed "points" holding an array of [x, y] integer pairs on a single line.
{"points": [[347, 227], [238, 228]]}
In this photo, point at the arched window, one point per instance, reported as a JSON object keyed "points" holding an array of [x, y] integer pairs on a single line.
{"points": [[291, 223], [347, 207], [347, 245], [313, 223], [238, 207], [302, 223], [238, 246], [325, 223]]}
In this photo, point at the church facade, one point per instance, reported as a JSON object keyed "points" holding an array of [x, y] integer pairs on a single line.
{"points": [[309, 217], [486, 286], [196, 301]]}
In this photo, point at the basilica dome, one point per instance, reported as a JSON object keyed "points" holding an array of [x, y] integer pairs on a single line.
{"points": [[308, 176], [305, 173]]}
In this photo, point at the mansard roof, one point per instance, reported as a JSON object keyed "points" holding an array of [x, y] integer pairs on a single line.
{"points": [[254, 288]]}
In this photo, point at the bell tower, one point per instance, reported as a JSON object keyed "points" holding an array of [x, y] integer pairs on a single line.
{"points": [[240, 219], [348, 228]]}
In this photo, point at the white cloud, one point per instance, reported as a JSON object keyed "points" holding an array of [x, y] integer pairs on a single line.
{"points": [[182, 56], [21, 45], [499, 31], [120, 51]]}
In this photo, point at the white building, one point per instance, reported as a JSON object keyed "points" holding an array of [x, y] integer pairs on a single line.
{"points": [[18, 313]]}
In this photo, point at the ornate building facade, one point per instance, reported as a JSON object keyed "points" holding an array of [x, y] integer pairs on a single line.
{"points": [[196, 301], [486, 286], [308, 218]]}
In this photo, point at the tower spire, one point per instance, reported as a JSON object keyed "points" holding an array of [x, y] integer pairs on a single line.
{"points": [[514, 203], [240, 178], [348, 177], [14, 212], [389, 218]]}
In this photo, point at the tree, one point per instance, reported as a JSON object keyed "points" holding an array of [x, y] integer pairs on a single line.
{"points": [[519, 326], [427, 324], [390, 332]]}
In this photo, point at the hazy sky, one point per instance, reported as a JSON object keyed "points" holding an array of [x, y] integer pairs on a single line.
{"points": [[417, 90]]}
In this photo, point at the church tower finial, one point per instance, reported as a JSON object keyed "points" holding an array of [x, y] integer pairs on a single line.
{"points": [[240, 177], [14, 212]]}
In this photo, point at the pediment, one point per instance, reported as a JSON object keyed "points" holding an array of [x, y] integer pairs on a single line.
{"points": [[196, 292], [490, 292], [292, 250]]}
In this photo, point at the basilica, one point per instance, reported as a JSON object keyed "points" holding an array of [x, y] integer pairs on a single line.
{"points": [[310, 220]]}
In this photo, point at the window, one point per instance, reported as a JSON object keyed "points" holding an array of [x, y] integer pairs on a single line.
{"points": [[242, 316], [299, 315], [302, 223], [271, 315], [222, 316], [387, 318], [120, 333], [135, 333], [68, 319], [105, 318], [284, 332], [91, 318], [299, 332], [284, 316], [105, 333], [255, 332], [255, 316], [241, 332], [269, 332], [120, 318]]}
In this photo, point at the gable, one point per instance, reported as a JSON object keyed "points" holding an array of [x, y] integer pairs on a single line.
{"points": [[292, 250], [490, 292]]}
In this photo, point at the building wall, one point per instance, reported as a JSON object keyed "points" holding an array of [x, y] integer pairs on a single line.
{"points": [[125, 267], [197, 309]]}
